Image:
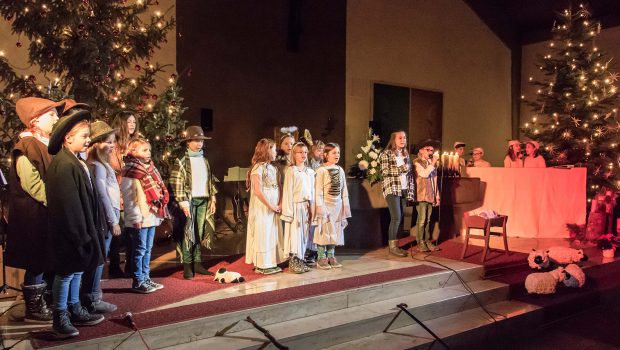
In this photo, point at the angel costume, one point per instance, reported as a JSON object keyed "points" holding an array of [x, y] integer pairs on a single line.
{"points": [[297, 200], [262, 232], [332, 205]]}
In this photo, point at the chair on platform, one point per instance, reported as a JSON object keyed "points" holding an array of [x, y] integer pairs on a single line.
{"points": [[484, 224]]}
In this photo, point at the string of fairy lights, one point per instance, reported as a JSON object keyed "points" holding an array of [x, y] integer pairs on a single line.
{"points": [[573, 105]]}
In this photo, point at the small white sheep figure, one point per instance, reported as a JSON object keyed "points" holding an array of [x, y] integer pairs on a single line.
{"points": [[575, 277], [538, 259], [565, 255], [224, 276], [544, 282]]}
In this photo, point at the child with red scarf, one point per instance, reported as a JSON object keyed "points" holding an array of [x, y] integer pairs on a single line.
{"points": [[145, 198]]}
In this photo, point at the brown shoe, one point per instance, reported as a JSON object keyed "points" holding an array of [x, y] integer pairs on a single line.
{"points": [[323, 264], [432, 247], [334, 263]]}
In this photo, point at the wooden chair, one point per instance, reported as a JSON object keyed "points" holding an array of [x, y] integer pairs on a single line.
{"points": [[479, 222]]}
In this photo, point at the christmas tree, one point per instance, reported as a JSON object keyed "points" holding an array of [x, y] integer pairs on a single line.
{"points": [[574, 117], [96, 52]]}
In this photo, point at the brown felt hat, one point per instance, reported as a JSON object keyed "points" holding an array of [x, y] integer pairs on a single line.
{"points": [[193, 133], [99, 131], [29, 108]]}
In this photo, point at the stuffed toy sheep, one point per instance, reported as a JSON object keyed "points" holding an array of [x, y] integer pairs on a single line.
{"points": [[224, 276], [575, 277], [538, 259], [565, 255], [544, 282]]}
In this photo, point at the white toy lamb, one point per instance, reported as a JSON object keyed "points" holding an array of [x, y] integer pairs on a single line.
{"points": [[565, 255], [544, 282], [224, 276], [575, 277]]}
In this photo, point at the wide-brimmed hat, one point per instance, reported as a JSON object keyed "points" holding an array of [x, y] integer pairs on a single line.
{"points": [[459, 144], [99, 131], [29, 108], [70, 103], [534, 143], [62, 127], [428, 142], [194, 132], [513, 142]]}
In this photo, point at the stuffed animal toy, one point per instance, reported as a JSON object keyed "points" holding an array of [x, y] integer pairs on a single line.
{"points": [[575, 278], [544, 282], [565, 255], [538, 259], [224, 276]]}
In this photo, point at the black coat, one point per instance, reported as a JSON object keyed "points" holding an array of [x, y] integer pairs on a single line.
{"points": [[75, 225], [27, 230]]}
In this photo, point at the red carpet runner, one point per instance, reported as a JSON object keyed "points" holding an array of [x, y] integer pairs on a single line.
{"points": [[178, 289]]}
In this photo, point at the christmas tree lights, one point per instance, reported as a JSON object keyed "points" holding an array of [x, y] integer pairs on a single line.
{"points": [[97, 52], [574, 118]]}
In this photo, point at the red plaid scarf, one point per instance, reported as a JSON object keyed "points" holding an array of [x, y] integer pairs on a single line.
{"points": [[153, 186]]}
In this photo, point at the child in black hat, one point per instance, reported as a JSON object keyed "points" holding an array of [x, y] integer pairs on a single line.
{"points": [[75, 231], [194, 189]]}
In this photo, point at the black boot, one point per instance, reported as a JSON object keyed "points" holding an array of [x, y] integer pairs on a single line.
{"points": [[62, 326], [201, 270], [81, 317], [96, 305], [36, 307], [188, 272], [115, 271]]}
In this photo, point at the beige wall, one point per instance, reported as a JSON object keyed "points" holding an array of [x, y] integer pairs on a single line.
{"points": [[18, 57], [607, 41], [438, 45]]}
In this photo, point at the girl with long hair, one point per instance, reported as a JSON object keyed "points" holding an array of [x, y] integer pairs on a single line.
{"points": [[533, 158], [262, 233], [513, 158], [398, 184]]}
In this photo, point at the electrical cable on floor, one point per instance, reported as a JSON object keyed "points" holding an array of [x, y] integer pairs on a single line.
{"points": [[10, 307], [465, 285], [128, 317], [28, 335]]}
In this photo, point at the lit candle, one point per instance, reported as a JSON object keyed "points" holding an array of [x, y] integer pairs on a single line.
{"points": [[457, 163]]}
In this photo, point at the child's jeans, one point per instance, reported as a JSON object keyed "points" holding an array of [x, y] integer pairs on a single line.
{"points": [[142, 243], [66, 290]]}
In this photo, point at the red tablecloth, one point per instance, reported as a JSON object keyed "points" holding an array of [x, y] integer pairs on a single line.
{"points": [[539, 202]]}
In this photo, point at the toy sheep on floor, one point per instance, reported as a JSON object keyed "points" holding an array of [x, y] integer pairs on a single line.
{"points": [[224, 276], [575, 278], [538, 259], [544, 282], [565, 255]]}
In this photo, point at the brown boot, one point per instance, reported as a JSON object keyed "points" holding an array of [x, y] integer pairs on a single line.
{"points": [[394, 249]]}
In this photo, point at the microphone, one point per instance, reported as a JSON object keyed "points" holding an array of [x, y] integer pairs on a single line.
{"points": [[128, 317]]}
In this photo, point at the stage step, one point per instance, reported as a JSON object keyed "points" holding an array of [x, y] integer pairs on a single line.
{"points": [[339, 326], [469, 329]]}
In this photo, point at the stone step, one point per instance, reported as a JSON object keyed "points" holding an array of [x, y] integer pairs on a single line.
{"points": [[192, 330], [468, 329], [339, 326]]}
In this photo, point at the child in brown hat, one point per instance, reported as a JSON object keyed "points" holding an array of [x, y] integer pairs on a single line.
{"points": [[194, 189], [27, 230]]}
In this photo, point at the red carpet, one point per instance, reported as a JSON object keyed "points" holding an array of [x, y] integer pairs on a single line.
{"points": [[178, 289], [497, 262]]}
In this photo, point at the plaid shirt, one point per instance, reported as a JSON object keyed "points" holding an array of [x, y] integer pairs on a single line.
{"points": [[181, 179], [391, 175]]}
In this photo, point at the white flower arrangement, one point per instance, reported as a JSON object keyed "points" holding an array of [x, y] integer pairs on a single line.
{"points": [[367, 165]]}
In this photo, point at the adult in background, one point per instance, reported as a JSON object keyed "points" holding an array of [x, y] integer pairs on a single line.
{"points": [[398, 184], [514, 158], [427, 194], [477, 160], [459, 149], [127, 128], [27, 227], [533, 159]]}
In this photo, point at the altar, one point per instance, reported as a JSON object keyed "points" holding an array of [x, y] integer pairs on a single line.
{"points": [[539, 202]]}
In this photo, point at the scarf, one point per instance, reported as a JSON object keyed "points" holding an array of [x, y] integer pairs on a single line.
{"points": [[194, 154], [155, 191]]}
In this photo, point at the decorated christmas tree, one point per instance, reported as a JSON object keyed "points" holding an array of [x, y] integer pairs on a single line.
{"points": [[574, 118], [96, 52]]}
